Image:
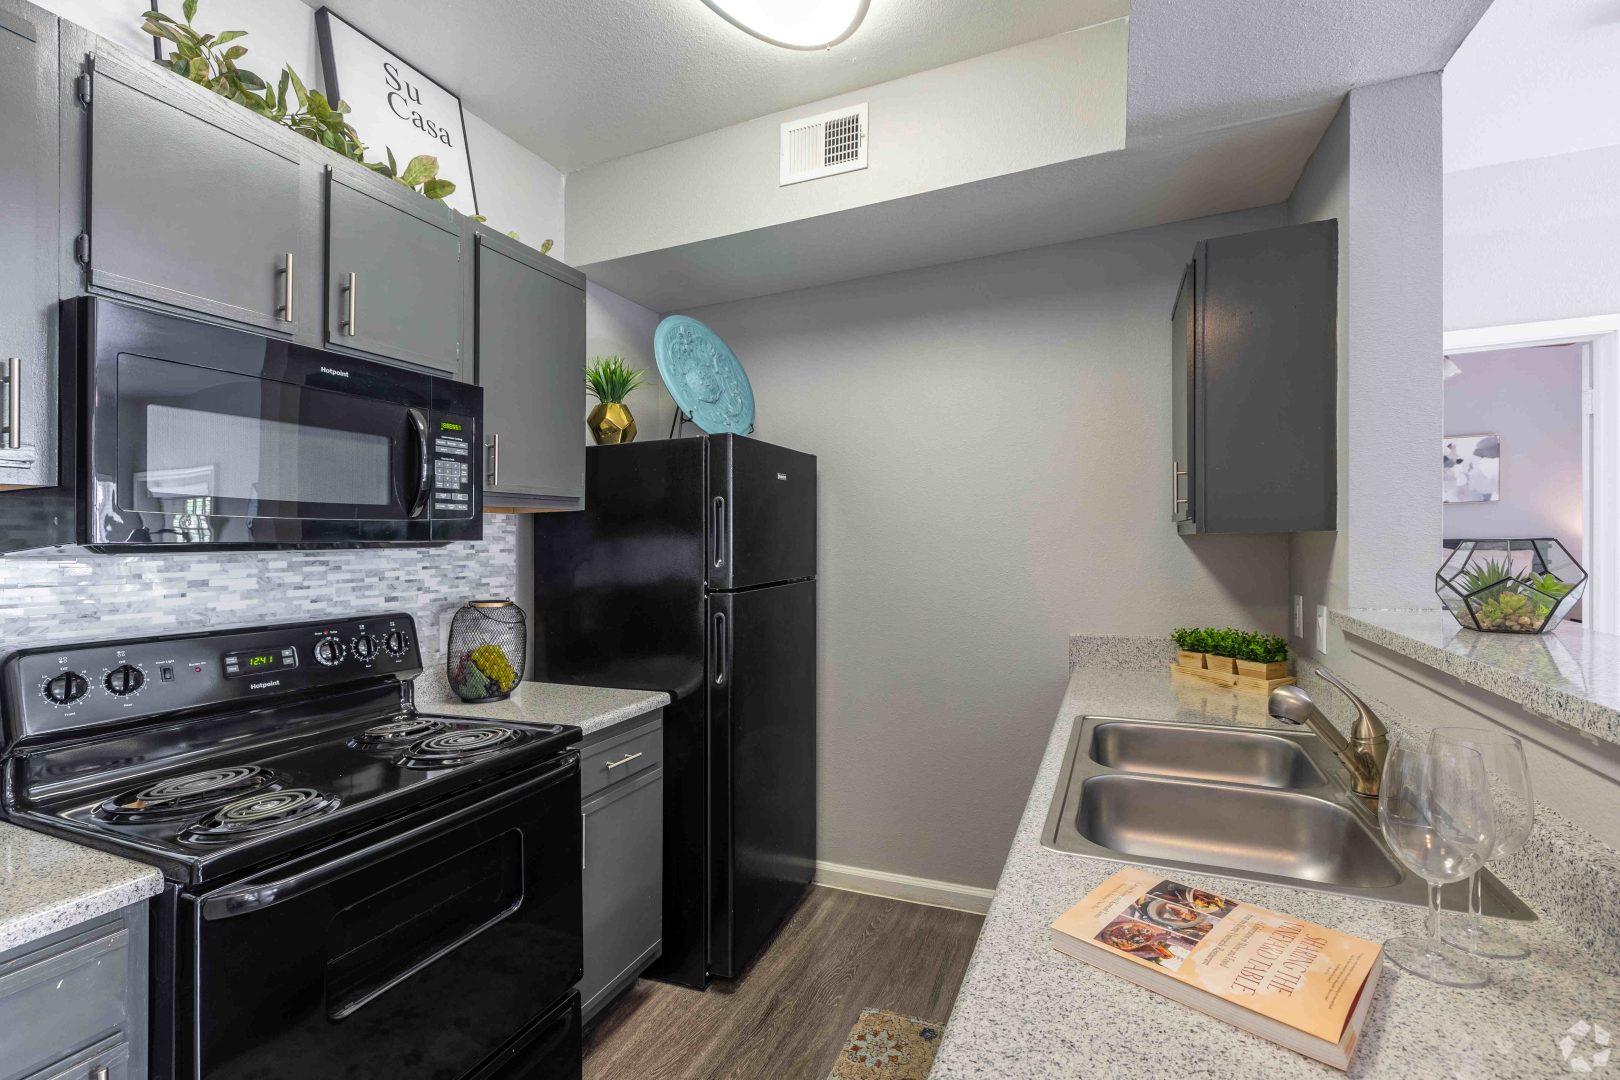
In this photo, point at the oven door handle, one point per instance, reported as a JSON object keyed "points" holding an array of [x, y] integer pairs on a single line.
{"points": [[423, 487], [260, 895]]}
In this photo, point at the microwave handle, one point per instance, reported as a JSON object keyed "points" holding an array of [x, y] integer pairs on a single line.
{"points": [[423, 487], [258, 896]]}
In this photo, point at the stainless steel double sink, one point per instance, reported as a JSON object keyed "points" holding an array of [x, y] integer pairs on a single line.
{"points": [[1237, 802]]}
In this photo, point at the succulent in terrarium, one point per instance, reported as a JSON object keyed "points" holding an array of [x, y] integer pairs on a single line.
{"points": [[1510, 586]]}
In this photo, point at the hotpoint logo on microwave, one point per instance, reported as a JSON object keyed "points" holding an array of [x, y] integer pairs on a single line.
{"points": [[334, 371]]}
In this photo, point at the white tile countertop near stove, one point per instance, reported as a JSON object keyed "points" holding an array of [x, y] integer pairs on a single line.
{"points": [[1027, 1012], [47, 884]]}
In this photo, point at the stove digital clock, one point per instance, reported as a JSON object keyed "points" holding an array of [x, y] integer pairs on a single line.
{"points": [[238, 664]]}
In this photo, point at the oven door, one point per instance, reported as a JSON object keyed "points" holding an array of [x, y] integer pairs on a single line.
{"points": [[419, 955], [205, 456]]}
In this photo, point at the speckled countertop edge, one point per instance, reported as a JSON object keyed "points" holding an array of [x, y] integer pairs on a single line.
{"points": [[47, 884], [1026, 1012], [589, 708], [1571, 675]]}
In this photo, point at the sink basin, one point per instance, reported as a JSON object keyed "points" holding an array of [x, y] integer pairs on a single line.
{"points": [[1234, 802], [1276, 833], [1228, 755]]}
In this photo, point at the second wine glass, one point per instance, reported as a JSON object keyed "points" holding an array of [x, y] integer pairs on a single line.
{"points": [[1435, 810], [1514, 810]]}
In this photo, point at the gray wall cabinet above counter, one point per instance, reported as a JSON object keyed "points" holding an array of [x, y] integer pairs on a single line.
{"points": [[1254, 376], [28, 163], [134, 183], [529, 341]]}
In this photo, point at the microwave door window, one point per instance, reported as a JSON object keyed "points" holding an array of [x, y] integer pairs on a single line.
{"points": [[207, 452]]}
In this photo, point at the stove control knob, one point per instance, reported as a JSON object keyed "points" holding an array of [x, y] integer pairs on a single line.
{"points": [[66, 688], [328, 651], [363, 647], [394, 641], [125, 679]]}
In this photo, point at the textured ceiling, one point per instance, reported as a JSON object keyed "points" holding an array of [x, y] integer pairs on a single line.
{"points": [[1533, 80], [585, 81]]}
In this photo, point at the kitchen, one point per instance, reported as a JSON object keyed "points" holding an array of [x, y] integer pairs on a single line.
{"points": [[953, 520]]}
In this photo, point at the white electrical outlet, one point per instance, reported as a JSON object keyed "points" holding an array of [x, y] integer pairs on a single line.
{"points": [[1321, 629], [1299, 617]]}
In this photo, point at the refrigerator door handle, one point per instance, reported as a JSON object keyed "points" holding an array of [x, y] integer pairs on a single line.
{"points": [[719, 531], [719, 648]]}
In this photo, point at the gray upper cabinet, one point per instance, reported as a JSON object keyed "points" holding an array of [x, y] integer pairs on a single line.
{"points": [[530, 347], [28, 245], [394, 274], [194, 202], [1254, 372]]}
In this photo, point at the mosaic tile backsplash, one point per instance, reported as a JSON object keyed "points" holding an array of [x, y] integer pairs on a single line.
{"points": [[74, 595]]}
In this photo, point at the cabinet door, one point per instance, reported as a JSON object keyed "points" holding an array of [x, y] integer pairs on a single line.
{"points": [[1183, 342], [194, 202], [28, 245], [393, 287], [624, 886], [531, 356]]}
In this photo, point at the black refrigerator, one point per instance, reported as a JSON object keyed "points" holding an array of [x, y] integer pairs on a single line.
{"points": [[692, 569]]}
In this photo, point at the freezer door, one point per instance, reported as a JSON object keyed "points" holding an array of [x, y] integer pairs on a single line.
{"points": [[762, 740], [761, 513]]}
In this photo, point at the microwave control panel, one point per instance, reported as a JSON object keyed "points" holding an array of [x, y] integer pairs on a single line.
{"points": [[452, 456]]}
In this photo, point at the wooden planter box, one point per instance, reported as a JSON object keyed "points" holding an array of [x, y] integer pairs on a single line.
{"points": [[1251, 669]]}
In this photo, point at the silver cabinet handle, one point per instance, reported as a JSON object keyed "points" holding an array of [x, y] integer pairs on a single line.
{"points": [[624, 760], [495, 461], [349, 289], [287, 289], [12, 432], [99, 1073], [1177, 499]]}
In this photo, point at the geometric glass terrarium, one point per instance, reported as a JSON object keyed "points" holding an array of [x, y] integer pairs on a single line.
{"points": [[1510, 586]]}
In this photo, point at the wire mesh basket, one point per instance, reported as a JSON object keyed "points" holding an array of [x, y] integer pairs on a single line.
{"points": [[489, 642]]}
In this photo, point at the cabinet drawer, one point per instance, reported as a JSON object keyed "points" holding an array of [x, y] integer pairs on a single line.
{"points": [[107, 1060], [69, 994], [618, 759]]}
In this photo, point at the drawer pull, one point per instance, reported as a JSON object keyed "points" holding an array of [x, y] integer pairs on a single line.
{"points": [[99, 1073], [287, 289], [624, 760]]}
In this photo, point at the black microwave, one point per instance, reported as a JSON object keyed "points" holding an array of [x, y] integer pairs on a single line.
{"points": [[178, 435]]}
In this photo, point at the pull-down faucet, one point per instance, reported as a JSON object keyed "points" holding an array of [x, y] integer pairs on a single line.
{"points": [[1362, 754]]}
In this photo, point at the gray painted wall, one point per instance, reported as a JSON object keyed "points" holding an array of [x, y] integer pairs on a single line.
{"points": [[1532, 398], [994, 451], [1378, 171], [1534, 240]]}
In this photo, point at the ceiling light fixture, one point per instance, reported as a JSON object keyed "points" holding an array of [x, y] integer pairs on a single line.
{"points": [[794, 24]]}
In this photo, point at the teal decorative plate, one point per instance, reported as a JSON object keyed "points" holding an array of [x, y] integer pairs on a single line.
{"points": [[703, 376]]}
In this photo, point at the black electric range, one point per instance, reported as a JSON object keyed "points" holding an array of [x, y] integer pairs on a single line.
{"points": [[354, 887]]}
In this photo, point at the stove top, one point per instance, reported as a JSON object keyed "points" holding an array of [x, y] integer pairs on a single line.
{"points": [[209, 792]]}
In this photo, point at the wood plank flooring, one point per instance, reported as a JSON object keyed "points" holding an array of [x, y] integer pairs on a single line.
{"points": [[839, 953]]}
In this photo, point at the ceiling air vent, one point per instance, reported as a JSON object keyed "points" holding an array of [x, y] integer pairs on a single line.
{"points": [[824, 145]]}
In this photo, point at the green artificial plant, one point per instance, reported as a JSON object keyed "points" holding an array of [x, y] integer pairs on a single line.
{"points": [[609, 379]]}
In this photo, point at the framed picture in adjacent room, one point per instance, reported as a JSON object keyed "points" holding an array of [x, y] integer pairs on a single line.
{"points": [[395, 106], [1473, 468]]}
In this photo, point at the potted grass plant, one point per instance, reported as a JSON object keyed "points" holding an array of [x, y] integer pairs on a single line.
{"points": [[610, 380]]}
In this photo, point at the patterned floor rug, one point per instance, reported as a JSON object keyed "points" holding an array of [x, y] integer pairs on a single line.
{"points": [[887, 1046]]}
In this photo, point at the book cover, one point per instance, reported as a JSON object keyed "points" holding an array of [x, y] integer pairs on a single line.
{"points": [[1248, 959]]}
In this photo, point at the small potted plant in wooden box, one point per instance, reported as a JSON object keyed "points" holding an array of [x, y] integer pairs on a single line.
{"points": [[1234, 658], [1261, 656]]}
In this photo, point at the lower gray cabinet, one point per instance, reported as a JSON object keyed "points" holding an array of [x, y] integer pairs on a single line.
{"points": [[623, 821], [73, 1005]]}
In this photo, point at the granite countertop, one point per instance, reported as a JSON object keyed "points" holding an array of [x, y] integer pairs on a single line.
{"points": [[589, 708], [1571, 675], [1025, 1011], [48, 884]]}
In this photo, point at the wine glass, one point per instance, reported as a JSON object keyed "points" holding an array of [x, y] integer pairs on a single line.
{"points": [[1515, 813], [1435, 810]]}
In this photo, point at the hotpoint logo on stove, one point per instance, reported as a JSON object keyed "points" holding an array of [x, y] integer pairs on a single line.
{"points": [[334, 371], [267, 684]]}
